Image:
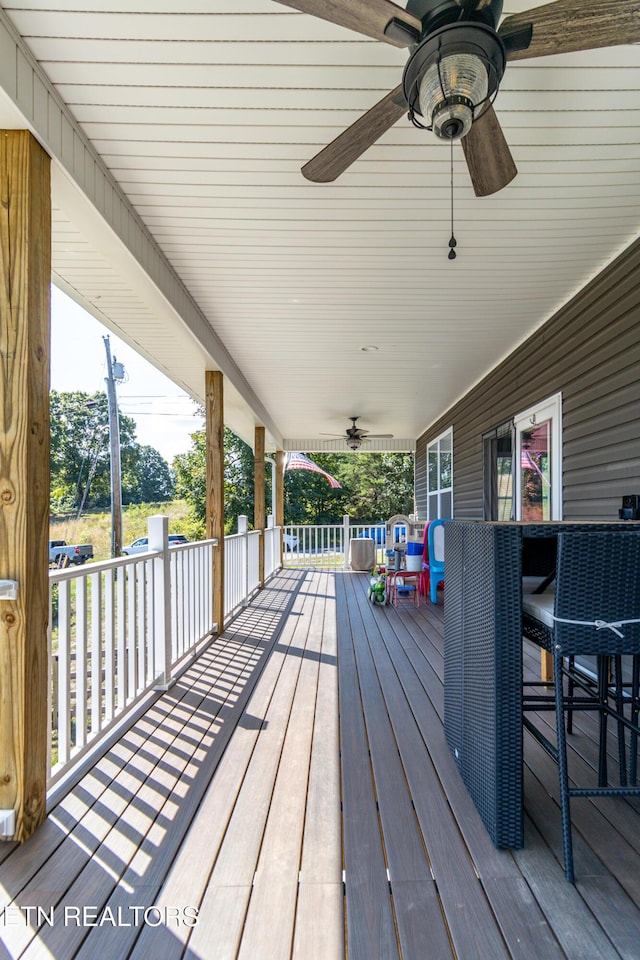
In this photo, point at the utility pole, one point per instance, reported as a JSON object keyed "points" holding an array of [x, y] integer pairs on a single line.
{"points": [[114, 447]]}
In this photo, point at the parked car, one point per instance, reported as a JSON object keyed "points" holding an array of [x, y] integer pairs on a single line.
{"points": [[289, 542], [62, 554], [141, 545]]}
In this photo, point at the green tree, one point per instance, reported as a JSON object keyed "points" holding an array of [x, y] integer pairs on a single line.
{"points": [[308, 497], [147, 478], [238, 479], [379, 484], [79, 448], [374, 486], [191, 481], [191, 477], [80, 457]]}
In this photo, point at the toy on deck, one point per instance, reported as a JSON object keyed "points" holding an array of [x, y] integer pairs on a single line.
{"points": [[377, 591]]}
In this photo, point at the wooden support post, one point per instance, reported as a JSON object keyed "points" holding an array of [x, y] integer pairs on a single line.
{"points": [[214, 410], [25, 295], [258, 496], [546, 666], [281, 459]]}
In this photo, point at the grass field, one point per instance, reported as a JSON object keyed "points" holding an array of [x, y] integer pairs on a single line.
{"points": [[95, 528]]}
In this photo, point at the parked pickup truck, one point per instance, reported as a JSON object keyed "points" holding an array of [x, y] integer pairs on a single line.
{"points": [[62, 554]]}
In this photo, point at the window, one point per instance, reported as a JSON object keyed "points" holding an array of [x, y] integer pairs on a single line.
{"points": [[539, 461], [440, 476]]}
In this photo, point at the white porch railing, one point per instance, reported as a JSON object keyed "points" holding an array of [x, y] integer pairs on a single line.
{"points": [[271, 551], [117, 629], [327, 545], [120, 628], [241, 568]]}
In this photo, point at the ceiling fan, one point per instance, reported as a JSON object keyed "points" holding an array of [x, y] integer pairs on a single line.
{"points": [[356, 436], [458, 56]]}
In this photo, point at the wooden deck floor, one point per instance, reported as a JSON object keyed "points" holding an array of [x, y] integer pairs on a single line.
{"points": [[294, 793]]}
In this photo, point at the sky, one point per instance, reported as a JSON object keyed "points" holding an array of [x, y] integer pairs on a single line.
{"points": [[162, 411]]}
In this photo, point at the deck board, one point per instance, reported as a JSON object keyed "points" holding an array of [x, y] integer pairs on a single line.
{"points": [[319, 922], [370, 920], [468, 915], [304, 742], [410, 877], [270, 920]]}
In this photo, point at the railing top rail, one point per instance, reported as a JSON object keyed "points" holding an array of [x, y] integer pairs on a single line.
{"points": [[180, 547], [88, 569], [249, 533]]}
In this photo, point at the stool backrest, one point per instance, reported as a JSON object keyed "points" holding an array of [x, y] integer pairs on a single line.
{"points": [[598, 592]]}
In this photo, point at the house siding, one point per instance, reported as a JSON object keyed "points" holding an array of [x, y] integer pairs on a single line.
{"points": [[590, 352]]}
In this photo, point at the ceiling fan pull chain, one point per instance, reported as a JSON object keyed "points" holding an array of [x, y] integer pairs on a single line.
{"points": [[452, 243]]}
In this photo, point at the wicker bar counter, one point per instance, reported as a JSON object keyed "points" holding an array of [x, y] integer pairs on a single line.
{"points": [[483, 657]]}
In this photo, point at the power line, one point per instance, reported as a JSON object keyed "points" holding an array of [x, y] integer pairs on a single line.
{"points": [[152, 413]]}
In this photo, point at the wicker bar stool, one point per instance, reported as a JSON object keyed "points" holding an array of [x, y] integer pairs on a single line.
{"points": [[595, 612]]}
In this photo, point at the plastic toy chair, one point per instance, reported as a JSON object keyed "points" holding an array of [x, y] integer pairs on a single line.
{"points": [[403, 585], [424, 572], [435, 542]]}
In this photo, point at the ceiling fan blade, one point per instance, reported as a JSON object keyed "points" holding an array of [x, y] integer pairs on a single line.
{"points": [[380, 19], [567, 26], [335, 158], [379, 436], [488, 157]]}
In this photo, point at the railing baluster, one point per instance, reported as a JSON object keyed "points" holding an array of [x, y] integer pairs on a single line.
{"points": [[141, 625], [190, 598], [180, 598], [109, 642], [52, 698], [121, 642], [96, 653], [64, 656], [176, 590], [132, 633], [81, 661]]}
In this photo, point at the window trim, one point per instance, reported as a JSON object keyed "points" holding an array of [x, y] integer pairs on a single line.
{"points": [[548, 409], [440, 490]]}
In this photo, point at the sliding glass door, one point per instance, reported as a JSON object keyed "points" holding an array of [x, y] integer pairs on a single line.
{"points": [[498, 447]]}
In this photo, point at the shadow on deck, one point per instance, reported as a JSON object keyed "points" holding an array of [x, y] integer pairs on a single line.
{"points": [[298, 774]]}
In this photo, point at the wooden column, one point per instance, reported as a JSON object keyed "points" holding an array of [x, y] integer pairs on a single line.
{"points": [[258, 495], [214, 410], [281, 459], [25, 262]]}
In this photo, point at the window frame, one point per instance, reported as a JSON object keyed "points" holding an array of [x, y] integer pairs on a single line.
{"points": [[440, 491], [548, 409]]}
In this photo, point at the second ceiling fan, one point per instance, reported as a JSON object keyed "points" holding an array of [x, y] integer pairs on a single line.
{"points": [[458, 55], [355, 436]]}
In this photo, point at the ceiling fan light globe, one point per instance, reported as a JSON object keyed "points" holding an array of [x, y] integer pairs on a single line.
{"points": [[449, 92], [452, 119]]}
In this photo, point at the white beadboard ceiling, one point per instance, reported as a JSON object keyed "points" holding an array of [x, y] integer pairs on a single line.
{"points": [[203, 112]]}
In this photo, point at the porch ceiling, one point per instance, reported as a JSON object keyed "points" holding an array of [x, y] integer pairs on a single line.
{"points": [[203, 113]]}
